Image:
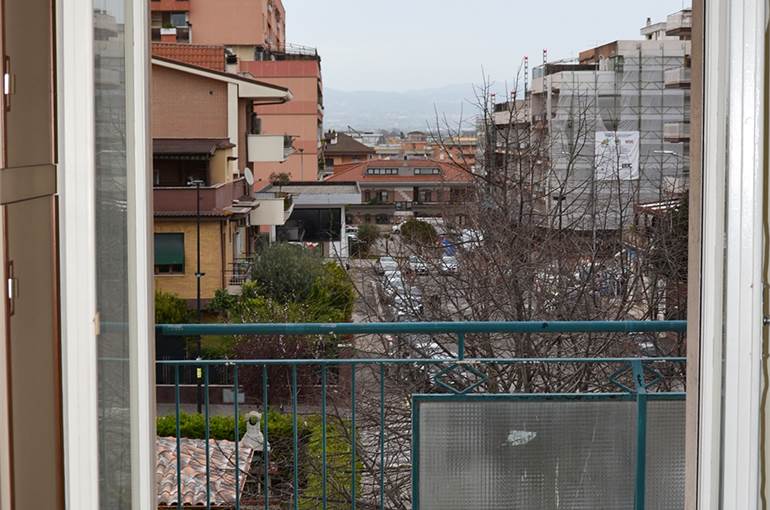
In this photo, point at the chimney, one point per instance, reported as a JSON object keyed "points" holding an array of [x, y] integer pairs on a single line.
{"points": [[253, 438], [231, 62]]}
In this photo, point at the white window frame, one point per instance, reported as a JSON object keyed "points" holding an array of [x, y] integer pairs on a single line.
{"points": [[730, 336], [77, 249]]}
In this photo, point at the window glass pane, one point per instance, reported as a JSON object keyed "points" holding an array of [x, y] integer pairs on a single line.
{"points": [[179, 19], [169, 249], [110, 93]]}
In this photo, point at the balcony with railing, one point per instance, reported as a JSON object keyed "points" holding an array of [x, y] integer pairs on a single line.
{"points": [[678, 78], [417, 415], [676, 132], [274, 208], [214, 199], [169, 5], [680, 23], [269, 148]]}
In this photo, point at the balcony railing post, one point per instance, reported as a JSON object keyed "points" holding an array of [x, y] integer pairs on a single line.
{"points": [[460, 346], [641, 434], [265, 444], [323, 438], [353, 441], [237, 439], [382, 436], [295, 442], [178, 440], [207, 433]]}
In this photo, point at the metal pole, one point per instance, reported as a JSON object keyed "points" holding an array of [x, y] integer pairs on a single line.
{"points": [[640, 489], [198, 283]]}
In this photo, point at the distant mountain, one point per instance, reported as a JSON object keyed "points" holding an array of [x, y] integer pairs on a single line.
{"points": [[406, 111]]}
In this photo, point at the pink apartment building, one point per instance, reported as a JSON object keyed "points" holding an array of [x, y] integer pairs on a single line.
{"points": [[252, 35]]}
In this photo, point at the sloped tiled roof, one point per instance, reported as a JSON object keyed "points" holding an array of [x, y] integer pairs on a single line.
{"points": [[347, 145], [193, 469], [201, 55], [357, 172]]}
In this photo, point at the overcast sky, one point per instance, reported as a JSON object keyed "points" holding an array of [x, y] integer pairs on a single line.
{"points": [[398, 45]]}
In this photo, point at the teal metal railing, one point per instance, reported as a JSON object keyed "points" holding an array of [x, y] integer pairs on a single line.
{"points": [[369, 409]]}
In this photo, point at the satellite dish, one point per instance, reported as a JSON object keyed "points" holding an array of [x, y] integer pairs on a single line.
{"points": [[249, 176]]}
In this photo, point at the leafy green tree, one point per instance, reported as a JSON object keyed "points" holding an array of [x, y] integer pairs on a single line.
{"points": [[419, 232], [286, 273], [332, 295], [367, 236], [171, 309], [280, 179]]}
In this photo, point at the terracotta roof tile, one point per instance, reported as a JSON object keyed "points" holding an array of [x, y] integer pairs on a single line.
{"points": [[207, 56], [193, 471]]}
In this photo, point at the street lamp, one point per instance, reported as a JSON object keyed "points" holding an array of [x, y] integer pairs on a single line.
{"points": [[198, 275]]}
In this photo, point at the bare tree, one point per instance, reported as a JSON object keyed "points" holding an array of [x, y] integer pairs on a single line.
{"points": [[533, 242]]}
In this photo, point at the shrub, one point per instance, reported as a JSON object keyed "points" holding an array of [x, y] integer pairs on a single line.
{"points": [[171, 309], [285, 272]]}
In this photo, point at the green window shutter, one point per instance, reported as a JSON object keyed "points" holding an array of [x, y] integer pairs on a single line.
{"points": [[169, 249]]}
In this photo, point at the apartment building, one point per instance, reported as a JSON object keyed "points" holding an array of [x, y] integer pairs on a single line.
{"points": [[207, 218], [235, 23], [299, 69], [613, 127], [253, 35], [395, 190], [341, 149], [460, 150]]}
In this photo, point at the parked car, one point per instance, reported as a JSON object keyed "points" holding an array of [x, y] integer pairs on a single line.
{"points": [[470, 238], [393, 283], [448, 264], [417, 265], [351, 231], [396, 229], [386, 264]]}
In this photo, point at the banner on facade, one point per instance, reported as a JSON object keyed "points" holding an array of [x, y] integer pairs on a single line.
{"points": [[616, 155]]}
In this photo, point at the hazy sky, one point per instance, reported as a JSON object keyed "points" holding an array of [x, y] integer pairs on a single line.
{"points": [[397, 45]]}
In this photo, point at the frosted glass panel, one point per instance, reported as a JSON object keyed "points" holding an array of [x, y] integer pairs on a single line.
{"points": [[526, 455], [665, 455]]}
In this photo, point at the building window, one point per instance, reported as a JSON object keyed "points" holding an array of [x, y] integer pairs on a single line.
{"points": [[382, 219], [383, 196], [427, 171], [169, 253], [382, 171], [179, 19], [425, 195]]}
